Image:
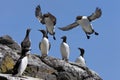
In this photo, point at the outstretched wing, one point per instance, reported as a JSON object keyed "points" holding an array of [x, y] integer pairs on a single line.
{"points": [[52, 17], [70, 26], [38, 13], [95, 15]]}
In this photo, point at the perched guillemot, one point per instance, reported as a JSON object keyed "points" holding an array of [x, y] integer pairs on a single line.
{"points": [[44, 45], [26, 43], [84, 21], [48, 19], [80, 59], [21, 64], [65, 49]]}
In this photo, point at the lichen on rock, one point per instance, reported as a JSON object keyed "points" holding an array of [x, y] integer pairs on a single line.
{"points": [[7, 64]]}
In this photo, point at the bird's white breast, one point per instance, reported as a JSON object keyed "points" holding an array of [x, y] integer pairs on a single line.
{"points": [[44, 46], [50, 25], [85, 24], [65, 50], [80, 60], [23, 65]]}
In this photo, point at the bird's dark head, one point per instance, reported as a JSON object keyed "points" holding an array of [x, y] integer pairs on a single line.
{"points": [[44, 33], [28, 30], [82, 51], [64, 38], [46, 15], [38, 8], [78, 17]]}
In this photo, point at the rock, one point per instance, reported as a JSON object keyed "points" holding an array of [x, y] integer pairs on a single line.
{"points": [[10, 77], [39, 69], [7, 63], [49, 68], [69, 70], [7, 58], [8, 41]]}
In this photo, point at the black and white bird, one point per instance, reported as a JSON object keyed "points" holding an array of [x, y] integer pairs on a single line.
{"points": [[21, 64], [47, 19], [85, 23], [26, 43], [65, 49], [80, 59], [44, 45]]}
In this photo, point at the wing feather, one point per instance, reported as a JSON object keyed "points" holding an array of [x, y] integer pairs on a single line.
{"points": [[38, 13], [70, 26], [95, 15]]}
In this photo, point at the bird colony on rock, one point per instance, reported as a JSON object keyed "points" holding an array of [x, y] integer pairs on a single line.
{"points": [[49, 21]]}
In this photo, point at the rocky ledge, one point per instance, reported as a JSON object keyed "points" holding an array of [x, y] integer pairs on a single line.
{"points": [[49, 68]]}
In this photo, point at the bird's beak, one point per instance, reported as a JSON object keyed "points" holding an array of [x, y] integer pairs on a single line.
{"points": [[61, 37], [39, 30]]}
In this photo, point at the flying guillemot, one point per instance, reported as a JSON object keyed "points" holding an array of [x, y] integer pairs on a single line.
{"points": [[85, 22], [46, 19]]}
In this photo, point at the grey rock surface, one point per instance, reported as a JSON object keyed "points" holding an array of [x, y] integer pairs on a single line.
{"points": [[8, 41]]}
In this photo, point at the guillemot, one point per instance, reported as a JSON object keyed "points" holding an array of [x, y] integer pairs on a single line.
{"points": [[44, 45], [80, 59], [65, 49], [47, 19], [85, 22], [21, 64]]}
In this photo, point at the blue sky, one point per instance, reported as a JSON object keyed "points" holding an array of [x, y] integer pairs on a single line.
{"points": [[102, 53]]}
